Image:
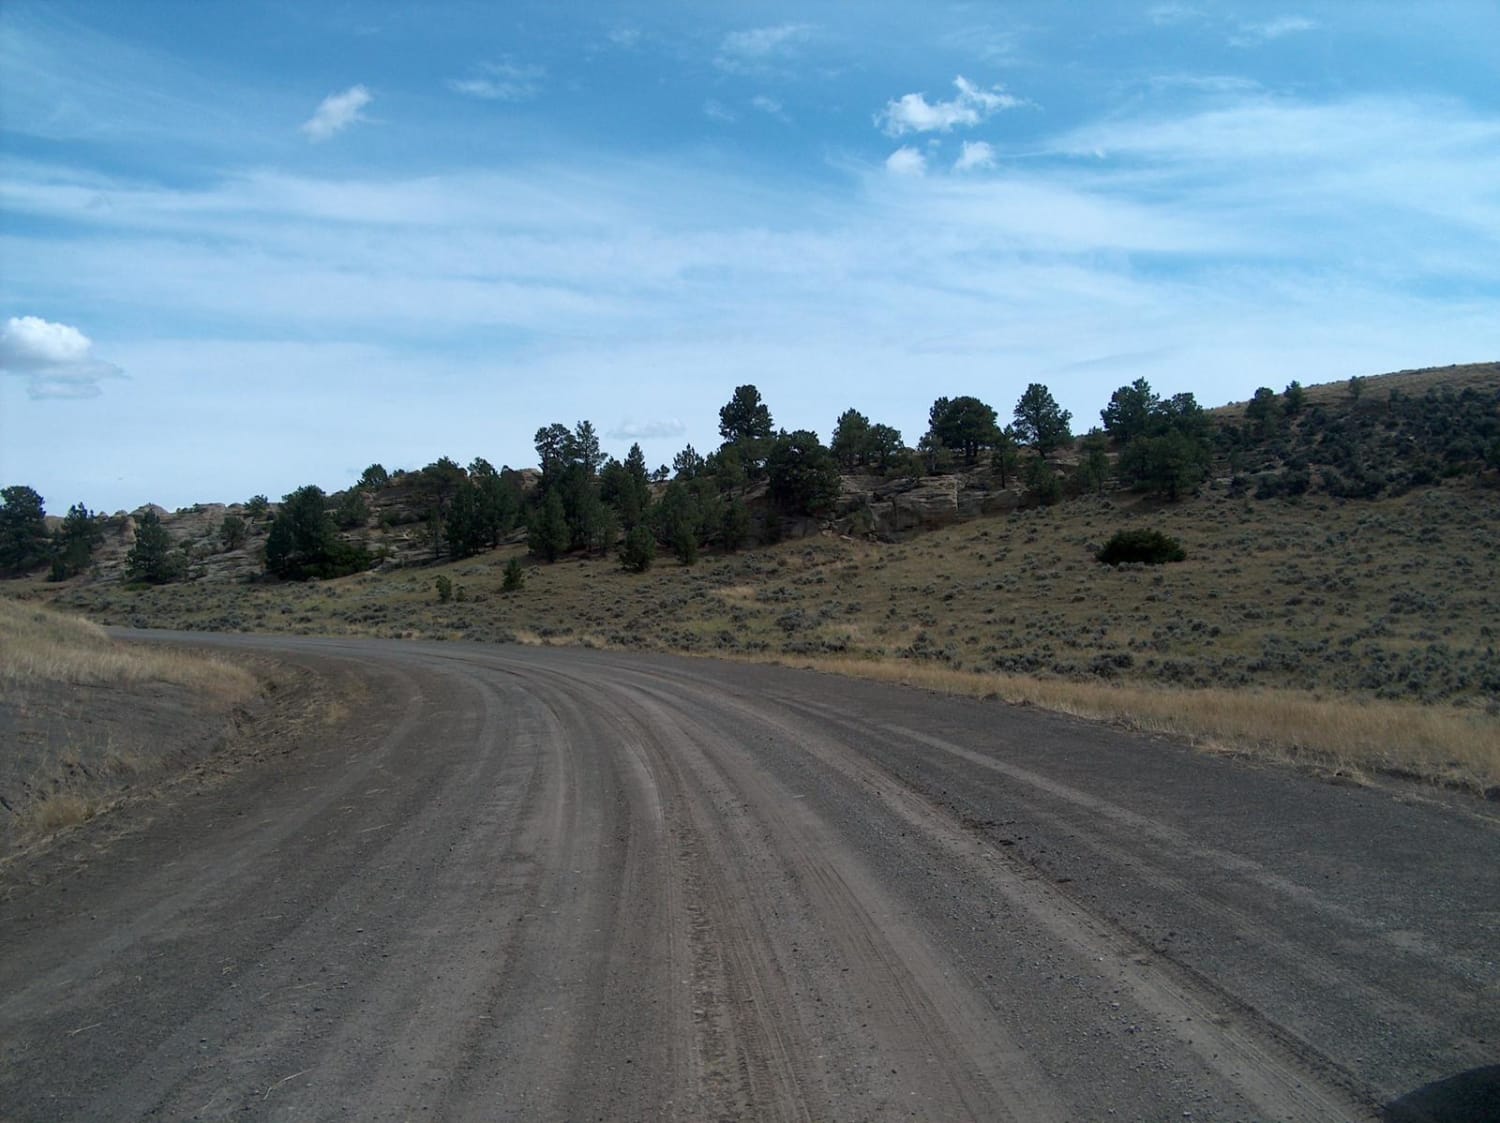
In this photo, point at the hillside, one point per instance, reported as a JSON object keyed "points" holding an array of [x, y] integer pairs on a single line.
{"points": [[1294, 580], [1360, 439]]}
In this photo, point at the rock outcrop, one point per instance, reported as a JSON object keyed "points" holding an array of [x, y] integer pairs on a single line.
{"points": [[882, 508]]}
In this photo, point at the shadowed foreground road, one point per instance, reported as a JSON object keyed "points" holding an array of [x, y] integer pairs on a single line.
{"points": [[547, 884]]}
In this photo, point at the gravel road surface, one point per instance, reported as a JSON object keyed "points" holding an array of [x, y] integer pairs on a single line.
{"points": [[519, 883]]}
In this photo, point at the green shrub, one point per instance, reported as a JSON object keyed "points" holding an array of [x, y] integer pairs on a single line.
{"points": [[444, 588], [639, 550], [232, 532], [515, 576], [1147, 547]]}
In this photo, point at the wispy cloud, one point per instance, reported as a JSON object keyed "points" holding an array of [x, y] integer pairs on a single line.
{"points": [[629, 430], [1254, 34], [756, 48], [718, 111], [1266, 234], [770, 106], [336, 113], [974, 155], [1209, 84], [57, 360], [1171, 14], [913, 113], [995, 46], [906, 161], [501, 81]]}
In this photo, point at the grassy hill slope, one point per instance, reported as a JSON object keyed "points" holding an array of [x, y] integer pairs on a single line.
{"points": [[1368, 607]]}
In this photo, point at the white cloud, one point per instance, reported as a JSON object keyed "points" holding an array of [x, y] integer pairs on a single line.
{"points": [[906, 160], [629, 430], [1254, 34], [913, 113], [757, 47], [1284, 230], [56, 360], [718, 111], [769, 106], [336, 113], [500, 81], [976, 154], [626, 38]]}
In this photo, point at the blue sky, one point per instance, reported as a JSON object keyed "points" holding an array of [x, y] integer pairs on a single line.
{"points": [[246, 246]]}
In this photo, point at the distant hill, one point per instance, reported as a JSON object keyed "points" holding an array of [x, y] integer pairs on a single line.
{"points": [[1360, 439]]}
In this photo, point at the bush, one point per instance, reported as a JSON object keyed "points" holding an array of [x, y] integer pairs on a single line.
{"points": [[515, 576], [352, 511], [444, 585], [232, 532], [1147, 547], [639, 550]]}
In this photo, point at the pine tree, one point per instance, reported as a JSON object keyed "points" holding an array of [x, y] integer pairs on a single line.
{"points": [[1041, 421], [549, 537], [23, 530], [73, 543], [152, 559]]}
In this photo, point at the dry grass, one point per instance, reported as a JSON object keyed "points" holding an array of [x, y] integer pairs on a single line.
{"points": [[1358, 634], [54, 812], [40, 645], [1460, 747], [1355, 636]]}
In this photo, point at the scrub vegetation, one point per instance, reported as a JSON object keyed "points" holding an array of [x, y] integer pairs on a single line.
{"points": [[1332, 597]]}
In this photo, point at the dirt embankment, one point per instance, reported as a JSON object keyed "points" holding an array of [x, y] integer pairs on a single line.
{"points": [[89, 723]]}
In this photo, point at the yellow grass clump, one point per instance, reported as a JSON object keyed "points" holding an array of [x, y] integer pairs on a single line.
{"points": [[62, 809], [40, 645]]}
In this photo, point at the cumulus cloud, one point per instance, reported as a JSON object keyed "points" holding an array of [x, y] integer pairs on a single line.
{"points": [[57, 360], [906, 161], [756, 47], [336, 113], [1254, 34], [976, 154], [629, 430], [913, 113], [500, 81]]}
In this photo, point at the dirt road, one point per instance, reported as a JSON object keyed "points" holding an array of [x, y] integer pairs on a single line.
{"points": [[546, 884]]}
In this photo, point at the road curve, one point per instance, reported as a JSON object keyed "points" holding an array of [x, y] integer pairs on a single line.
{"points": [[547, 884]]}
